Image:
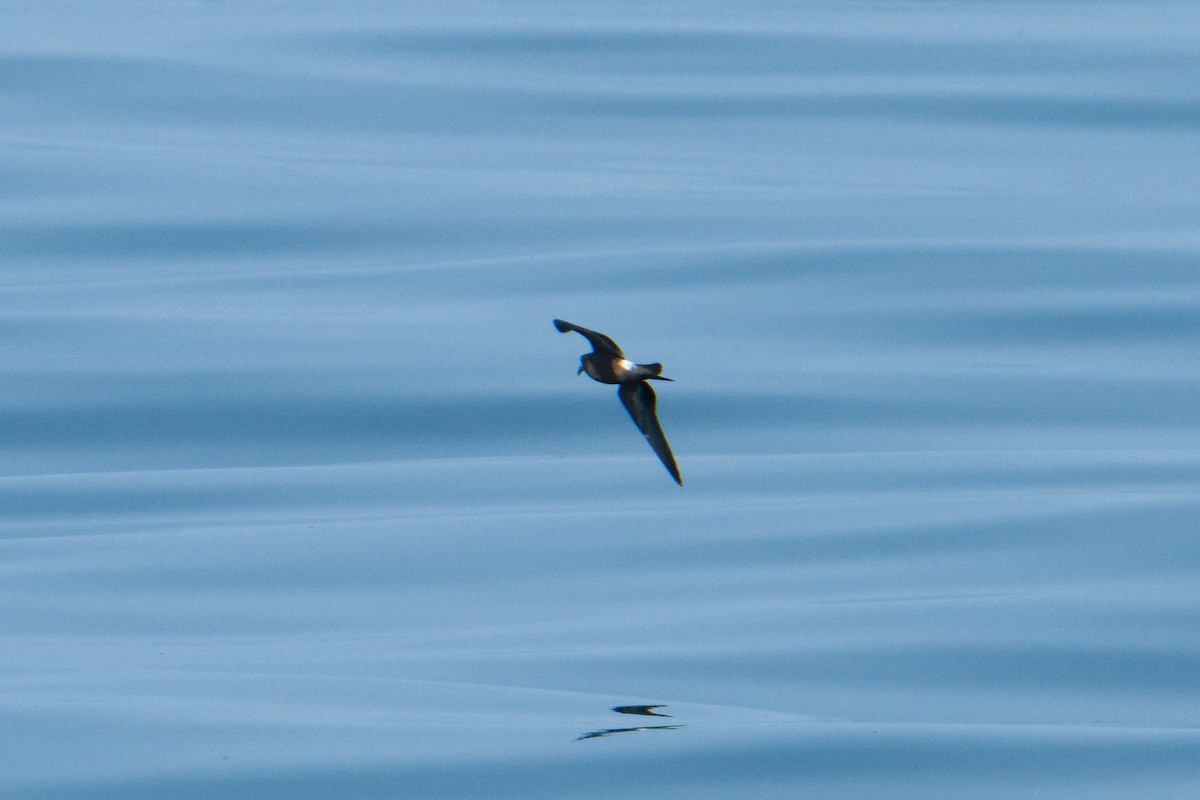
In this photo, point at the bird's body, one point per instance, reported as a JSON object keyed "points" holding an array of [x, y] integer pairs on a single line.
{"points": [[619, 369], [607, 364]]}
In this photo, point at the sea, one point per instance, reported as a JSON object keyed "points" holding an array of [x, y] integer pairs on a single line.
{"points": [[301, 497]]}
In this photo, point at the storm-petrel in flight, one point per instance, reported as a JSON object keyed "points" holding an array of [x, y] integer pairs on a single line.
{"points": [[607, 364]]}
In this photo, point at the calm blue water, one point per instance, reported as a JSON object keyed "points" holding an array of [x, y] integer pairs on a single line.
{"points": [[300, 496]]}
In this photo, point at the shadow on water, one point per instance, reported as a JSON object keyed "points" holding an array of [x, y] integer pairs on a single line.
{"points": [[646, 711]]}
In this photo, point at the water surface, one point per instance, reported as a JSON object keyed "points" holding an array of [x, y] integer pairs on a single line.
{"points": [[300, 497]]}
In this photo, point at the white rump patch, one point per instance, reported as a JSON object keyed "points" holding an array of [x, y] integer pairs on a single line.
{"points": [[624, 368]]}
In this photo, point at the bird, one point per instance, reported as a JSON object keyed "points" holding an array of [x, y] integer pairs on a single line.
{"points": [[607, 364]]}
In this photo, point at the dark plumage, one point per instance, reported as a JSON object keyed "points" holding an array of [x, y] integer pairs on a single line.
{"points": [[607, 364]]}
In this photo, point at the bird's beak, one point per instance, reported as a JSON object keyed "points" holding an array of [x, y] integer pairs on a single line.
{"points": [[579, 371]]}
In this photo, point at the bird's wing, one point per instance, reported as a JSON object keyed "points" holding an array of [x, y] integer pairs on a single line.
{"points": [[603, 345], [647, 711], [639, 400]]}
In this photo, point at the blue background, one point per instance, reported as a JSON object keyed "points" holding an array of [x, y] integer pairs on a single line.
{"points": [[300, 496]]}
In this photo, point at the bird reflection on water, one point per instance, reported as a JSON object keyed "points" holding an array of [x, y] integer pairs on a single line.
{"points": [[647, 711]]}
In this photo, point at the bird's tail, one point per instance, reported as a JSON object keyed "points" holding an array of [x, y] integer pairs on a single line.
{"points": [[655, 376]]}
